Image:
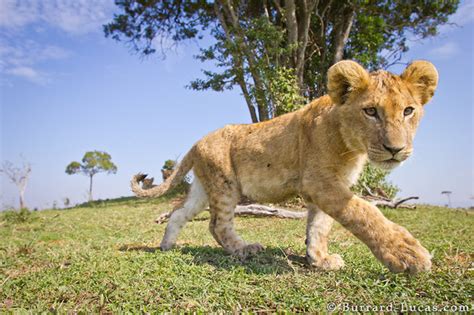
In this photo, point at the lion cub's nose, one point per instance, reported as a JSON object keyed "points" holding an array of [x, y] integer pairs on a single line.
{"points": [[393, 150]]}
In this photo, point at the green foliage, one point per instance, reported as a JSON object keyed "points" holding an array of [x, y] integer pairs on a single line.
{"points": [[285, 91], [169, 165], [74, 168], [374, 179], [93, 162], [21, 216], [88, 261]]}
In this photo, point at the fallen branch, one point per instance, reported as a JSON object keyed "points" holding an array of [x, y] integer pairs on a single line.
{"points": [[266, 211], [253, 210], [394, 204], [261, 210]]}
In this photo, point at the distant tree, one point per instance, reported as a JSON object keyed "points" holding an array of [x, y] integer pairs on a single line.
{"points": [[93, 162], [18, 176], [167, 169], [67, 202], [448, 194]]}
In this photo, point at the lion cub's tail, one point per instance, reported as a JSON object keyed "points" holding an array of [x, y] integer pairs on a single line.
{"points": [[149, 190]]}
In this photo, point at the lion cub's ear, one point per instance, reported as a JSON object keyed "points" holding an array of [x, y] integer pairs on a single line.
{"points": [[423, 76], [344, 78]]}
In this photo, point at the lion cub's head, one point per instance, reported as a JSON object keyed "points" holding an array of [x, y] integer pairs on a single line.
{"points": [[379, 112]]}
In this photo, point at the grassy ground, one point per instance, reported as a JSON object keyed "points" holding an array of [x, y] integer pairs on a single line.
{"points": [[104, 258]]}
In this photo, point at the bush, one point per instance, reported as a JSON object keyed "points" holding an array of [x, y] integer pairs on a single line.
{"points": [[375, 180], [21, 216]]}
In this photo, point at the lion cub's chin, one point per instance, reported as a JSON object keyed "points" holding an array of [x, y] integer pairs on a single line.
{"points": [[386, 165]]}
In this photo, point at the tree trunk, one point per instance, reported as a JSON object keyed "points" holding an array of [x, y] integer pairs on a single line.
{"points": [[342, 31], [90, 187], [22, 187], [306, 11], [292, 25], [263, 113], [237, 58], [22, 200]]}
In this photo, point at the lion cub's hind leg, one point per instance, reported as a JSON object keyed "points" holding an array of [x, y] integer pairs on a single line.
{"points": [[222, 228], [195, 203], [318, 227]]}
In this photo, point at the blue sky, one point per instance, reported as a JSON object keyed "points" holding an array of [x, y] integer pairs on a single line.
{"points": [[65, 90]]}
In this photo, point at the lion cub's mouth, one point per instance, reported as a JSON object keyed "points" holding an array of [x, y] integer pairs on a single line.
{"points": [[388, 164]]}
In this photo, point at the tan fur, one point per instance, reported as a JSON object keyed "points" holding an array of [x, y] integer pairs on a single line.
{"points": [[316, 152]]}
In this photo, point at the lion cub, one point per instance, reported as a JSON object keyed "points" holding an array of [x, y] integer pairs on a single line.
{"points": [[318, 153]]}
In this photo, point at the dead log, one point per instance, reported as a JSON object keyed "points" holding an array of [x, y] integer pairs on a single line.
{"points": [[267, 211], [261, 210], [251, 210]]}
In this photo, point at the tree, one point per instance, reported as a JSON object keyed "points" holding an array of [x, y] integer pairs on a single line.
{"points": [[168, 169], [448, 194], [18, 176], [278, 51], [93, 162]]}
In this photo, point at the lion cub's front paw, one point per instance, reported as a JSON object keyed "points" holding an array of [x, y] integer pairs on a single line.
{"points": [[326, 263], [405, 253], [248, 250]]}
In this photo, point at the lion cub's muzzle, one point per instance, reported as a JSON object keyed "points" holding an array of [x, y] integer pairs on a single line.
{"points": [[388, 157]]}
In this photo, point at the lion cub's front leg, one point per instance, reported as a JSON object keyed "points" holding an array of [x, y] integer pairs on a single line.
{"points": [[317, 231], [392, 244]]}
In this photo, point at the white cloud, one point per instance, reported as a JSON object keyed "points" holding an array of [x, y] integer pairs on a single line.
{"points": [[71, 16], [463, 16], [29, 52], [79, 16], [53, 52], [15, 14], [29, 74], [21, 54], [21, 58], [446, 50]]}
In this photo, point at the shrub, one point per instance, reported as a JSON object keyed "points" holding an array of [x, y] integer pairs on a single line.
{"points": [[374, 179], [21, 216]]}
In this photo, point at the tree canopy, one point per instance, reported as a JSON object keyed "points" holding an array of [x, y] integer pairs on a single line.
{"points": [[278, 52]]}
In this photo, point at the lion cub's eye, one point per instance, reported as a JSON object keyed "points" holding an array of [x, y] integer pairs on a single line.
{"points": [[408, 111], [371, 111]]}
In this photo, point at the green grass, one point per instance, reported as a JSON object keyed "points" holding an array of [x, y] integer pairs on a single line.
{"points": [[102, 257]]}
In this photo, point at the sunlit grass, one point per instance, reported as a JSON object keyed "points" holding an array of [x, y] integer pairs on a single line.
{"points": [[103, 257]]}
